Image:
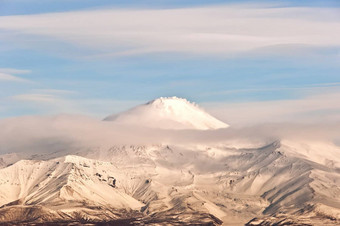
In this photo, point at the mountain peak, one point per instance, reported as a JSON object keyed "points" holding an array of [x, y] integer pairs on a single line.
{"points": [[170, 100], [169, 113], [172, 105]]}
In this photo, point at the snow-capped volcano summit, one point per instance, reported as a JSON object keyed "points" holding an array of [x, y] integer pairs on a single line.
{"points": [[168, 113]]}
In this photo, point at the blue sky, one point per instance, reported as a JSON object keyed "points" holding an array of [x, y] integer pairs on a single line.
{"points": [[101, 57], [19, 7]]}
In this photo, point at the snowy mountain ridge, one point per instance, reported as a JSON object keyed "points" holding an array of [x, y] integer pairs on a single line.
{"points": [[219, 184]]}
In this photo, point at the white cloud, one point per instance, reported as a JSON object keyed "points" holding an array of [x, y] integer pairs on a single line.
{"points": [[6, 74], [11, 78], [75, 133], [14, 71], [211, 30], [317, 108], [55, 91], [55, 101], [310, 87], [44, 102], [36, 97]]}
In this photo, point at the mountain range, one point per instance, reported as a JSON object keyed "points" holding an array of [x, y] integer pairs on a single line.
{"points": [[166, 162]]}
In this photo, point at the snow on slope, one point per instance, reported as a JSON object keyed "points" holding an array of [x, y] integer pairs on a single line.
{"points": [[168, 113], [63, 182], [175, 184], [239, 183]]}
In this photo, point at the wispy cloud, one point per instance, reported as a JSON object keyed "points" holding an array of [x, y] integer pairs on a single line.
{"points": [[11, 78], [10, 75], [311, 87], [56, 101], [210, 30], [315, 108], [14, 71], [42, 103], [36, 97], [55, 91]]}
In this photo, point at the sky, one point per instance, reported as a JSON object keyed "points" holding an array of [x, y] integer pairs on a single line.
{"points": [[244, 61]]}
